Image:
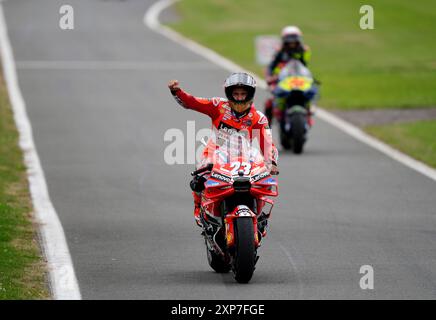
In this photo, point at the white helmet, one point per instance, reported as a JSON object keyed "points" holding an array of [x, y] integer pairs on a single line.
{"points": [[291, 30], [291, 33]]}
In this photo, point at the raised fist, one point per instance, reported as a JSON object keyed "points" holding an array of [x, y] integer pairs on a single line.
{"points": [[173, 85]]}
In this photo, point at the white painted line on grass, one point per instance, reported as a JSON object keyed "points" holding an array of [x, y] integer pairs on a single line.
{"points": [[63, 280], [151, 20]]}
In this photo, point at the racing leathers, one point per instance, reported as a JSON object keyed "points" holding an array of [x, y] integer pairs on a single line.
{"points": [[226, 120]]}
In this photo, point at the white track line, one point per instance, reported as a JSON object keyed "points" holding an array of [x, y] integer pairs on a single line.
{"points": [[151, 20], [113, 65], [358, 134], [294, 270], [63, 280]]}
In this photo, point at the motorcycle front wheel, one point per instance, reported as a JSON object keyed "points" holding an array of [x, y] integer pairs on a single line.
{"points": [[245, 251]]}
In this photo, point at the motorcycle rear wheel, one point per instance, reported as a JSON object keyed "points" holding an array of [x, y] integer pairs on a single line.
{"points": [[298, 132], [245, 251]]}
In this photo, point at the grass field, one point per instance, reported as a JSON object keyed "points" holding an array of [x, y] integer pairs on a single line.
{"points": [[392, 66], [22, 270], [415, 138]]}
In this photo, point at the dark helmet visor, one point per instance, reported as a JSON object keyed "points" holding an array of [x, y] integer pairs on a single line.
{"points": [[240, 80]]}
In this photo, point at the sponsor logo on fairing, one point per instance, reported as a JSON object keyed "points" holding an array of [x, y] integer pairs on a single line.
{"points": [[211, 183], [221, 177], [270, 181], [243, 211], [259, 176]]}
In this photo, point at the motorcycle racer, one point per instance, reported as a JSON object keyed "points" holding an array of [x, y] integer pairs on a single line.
{"points": [[234, 114], [292, 48]]}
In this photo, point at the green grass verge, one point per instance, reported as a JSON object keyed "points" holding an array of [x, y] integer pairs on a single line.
{"points": [[22, 269], [415, 138], [392, 66]]}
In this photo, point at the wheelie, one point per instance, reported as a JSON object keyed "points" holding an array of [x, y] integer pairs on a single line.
{"points": [[233, 182]]}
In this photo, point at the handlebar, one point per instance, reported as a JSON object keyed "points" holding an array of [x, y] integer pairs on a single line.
{"points": [[201, 170]]}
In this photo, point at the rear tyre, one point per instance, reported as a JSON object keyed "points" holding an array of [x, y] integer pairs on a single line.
{"points": [[216, 262], [298, 132], [245, 251]]}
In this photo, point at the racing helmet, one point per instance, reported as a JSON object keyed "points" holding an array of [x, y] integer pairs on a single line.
{"points": [[291, 34], [237, 80]]}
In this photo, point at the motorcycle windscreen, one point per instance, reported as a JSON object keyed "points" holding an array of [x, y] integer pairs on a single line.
{"points": [[295, 76], [237, 153], [295, 68]]}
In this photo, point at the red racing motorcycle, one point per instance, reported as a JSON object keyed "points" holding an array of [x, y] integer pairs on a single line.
{"points": [[235, 207]]}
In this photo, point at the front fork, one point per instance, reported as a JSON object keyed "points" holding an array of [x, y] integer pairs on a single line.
{"points": [[240, 212]]}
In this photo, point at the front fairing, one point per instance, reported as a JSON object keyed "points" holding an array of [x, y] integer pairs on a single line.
{"points": [[238, 164], [294, 76]]}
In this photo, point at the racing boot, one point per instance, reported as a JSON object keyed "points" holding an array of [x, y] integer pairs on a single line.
{"points": [[309, 116]]}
